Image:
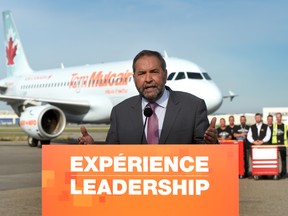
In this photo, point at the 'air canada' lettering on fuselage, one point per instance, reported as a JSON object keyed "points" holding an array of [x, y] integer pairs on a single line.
{"points": [[100, 79]]}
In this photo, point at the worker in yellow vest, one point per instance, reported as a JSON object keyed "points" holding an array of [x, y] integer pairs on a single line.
{"points": [[279, 137]]}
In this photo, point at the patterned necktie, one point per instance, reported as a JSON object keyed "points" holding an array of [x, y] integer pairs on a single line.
{"points": [[153, 128]]}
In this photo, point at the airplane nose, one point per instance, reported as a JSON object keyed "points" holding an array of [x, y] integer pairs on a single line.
{"points": [[214, 100]]}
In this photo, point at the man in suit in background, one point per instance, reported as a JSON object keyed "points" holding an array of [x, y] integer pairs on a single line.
{"points": [[259, 133], [176, 117]]}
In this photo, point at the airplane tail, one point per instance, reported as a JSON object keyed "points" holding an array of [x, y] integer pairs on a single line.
{"points": [[16, 61], [231, 95]]}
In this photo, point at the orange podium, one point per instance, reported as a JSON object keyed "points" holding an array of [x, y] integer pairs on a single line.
{"points": [[160, 180]]}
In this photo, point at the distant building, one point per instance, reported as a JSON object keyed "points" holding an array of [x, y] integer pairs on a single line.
{"points": [[273, 110], [8, 118]]}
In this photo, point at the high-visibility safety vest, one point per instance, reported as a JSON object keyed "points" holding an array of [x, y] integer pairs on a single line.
{"points": [[274, 134]]}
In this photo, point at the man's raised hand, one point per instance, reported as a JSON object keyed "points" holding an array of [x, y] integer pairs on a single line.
{"points": [[86, 138], [211, 134]]}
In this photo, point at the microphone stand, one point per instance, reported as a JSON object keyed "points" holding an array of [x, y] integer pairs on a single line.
{"points": [[147, 112]]}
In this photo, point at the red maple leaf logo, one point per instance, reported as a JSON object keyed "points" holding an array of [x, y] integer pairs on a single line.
{"points": [[11, 51]]}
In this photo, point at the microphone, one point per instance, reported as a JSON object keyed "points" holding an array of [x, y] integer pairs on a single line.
{"points": [[147, 112]]}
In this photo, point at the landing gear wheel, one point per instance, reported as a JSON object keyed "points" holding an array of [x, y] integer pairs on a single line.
{"points": [[32, 142], [44, 142]]}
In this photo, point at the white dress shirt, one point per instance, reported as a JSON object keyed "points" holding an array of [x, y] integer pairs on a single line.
{"points": [[266, 138], [160, 110]]}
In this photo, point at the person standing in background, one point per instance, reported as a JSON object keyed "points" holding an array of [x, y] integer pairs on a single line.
{"points": [[240, 133], [279, 137], [232, 126], [223, 131], [270, 125], [259, 133]]}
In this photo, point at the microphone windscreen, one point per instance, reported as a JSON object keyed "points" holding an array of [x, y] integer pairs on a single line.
{"points": [[148, 111]]}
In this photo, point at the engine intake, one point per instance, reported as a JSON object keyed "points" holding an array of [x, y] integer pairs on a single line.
{"points": [[43, 122]]}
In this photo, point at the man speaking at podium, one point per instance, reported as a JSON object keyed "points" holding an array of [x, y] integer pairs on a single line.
{"points": [[158, 115]]}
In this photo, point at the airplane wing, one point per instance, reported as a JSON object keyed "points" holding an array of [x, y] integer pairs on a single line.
{"points": [[75, 107]]}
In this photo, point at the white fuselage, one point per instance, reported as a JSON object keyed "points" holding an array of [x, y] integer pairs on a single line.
{"points": [[105, 85]]}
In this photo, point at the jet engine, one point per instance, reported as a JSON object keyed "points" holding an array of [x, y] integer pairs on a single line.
{"points": [[43, 122]]}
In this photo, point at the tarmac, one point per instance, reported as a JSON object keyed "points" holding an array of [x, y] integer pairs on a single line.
{"points": [[20, 185], [20, 179]]}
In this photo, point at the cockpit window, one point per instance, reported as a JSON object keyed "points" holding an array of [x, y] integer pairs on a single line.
{"points": [[193, 75], [206, 76], [180, 75], [170, 77]]}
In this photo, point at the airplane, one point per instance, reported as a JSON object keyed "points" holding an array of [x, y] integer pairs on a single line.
{"points": [[47, 100]]}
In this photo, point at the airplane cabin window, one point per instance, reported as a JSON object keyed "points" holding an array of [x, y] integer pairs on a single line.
{"points": [[170, 77], [193, 75], [180, 75], [207, 76]]}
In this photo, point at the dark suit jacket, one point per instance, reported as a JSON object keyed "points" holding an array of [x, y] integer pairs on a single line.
{"points": [[185, 121]]}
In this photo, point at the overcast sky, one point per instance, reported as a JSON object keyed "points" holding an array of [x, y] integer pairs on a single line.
{"points": [[243, 44]]}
